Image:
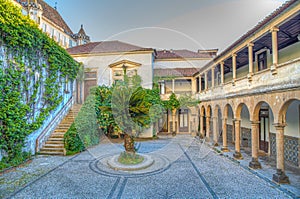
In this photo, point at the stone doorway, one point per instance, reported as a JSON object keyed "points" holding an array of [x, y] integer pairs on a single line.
{"points": [[183, 118], [264, 129]]}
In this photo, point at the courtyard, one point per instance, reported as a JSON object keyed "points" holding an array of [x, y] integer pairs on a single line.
{"points": [[184, 167]]}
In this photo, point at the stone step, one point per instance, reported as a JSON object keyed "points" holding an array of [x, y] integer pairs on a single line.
{"points": [[54, 142], [67, 122], [58, 146], [52, 150], [62, 127], [55, 139], [64, 124], [60, 130], [57, 135], [51, 153]]}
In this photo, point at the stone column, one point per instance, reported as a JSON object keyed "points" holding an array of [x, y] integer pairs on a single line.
{"points": [[237, 154], [274, 31], [207, 127], [212, 77], [250, 60], [222, 72], [173, 121], [233, 68], [206, 82], [224, 134], [194, 85], [255, 142], [173, 85], [215, 131], [201, 126], [280, 176]]}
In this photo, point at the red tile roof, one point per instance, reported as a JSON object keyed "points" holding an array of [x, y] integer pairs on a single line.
{"points": [[51, 14], [105, 47], [175, 72], [179, 54]]}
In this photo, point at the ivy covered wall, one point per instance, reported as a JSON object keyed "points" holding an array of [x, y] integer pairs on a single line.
{"points": [[36, 77]]}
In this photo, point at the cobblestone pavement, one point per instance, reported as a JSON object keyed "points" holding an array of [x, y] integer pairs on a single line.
{"points": [[183, 168]]}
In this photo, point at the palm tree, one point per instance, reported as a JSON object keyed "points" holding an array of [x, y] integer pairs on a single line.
{"points": [[130, 108]]}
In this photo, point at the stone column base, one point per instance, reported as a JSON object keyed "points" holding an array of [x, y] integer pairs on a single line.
{"points": [[280, 177], [254, 164], [237, 155], [216, 144], [225, 149]]}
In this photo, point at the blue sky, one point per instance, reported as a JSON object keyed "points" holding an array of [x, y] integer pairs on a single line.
{"points": [[166, 24]]}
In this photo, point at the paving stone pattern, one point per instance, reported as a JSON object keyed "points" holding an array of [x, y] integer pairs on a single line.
{"points": [[184, 168]]}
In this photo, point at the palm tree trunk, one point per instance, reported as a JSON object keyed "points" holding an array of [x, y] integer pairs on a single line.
{"points": [[129, 144]]}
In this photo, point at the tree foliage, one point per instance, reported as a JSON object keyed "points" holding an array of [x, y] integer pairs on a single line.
{"points": [[127, 106]]}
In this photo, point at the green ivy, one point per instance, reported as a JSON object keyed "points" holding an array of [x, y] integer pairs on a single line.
{"points": [[25, 98]]}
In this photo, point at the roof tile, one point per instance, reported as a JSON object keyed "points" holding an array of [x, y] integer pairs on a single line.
{"points": [[105, 47]]}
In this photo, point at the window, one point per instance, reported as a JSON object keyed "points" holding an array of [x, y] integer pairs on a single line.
{"points": [[44, 27], [202, 84], [65, 40], [262, 61], [162, 86], [119, 73]]}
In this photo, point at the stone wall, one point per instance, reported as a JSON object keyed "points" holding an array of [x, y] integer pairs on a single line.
{"points": [[246, 137], [291, 149], [229, 133]]}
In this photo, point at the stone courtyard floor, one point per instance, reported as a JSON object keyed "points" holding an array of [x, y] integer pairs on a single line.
{"points": [[184, 168]]}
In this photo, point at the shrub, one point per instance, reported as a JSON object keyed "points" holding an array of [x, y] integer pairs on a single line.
{"points": [[18, 159], [86, 123], [84, 132], [73, 143]]}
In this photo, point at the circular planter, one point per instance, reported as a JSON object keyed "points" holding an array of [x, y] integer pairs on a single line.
{"points": [[116, 165]]}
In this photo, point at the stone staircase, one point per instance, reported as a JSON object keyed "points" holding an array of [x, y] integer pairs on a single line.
{"points": [[55, 143]]}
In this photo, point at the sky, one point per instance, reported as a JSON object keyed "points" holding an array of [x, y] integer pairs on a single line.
{"points": [[166, 24]]}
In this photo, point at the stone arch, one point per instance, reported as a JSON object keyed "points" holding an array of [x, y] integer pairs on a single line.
{"points": [[264, 115], [202, 110], [239, 108], [283, 110], [289, 118], [202, 121], [243, 115], [257, 107], [208, 122], [217, 124], [208, 110], [228, 110]]}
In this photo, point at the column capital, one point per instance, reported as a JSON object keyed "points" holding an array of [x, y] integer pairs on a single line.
{"points": [[250, 44], [213, 67], [222, 63], [279, 126], [274, 29], [236, 120], [233, 54], [255, 122]]}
